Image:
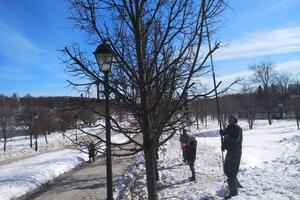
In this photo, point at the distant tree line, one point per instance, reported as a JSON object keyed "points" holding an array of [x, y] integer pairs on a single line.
{"points": [[29, 116], [266, 95]]}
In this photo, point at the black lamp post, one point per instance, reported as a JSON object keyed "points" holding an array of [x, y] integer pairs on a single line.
{"points": [[298, 84], [35, 117], [104, 57]]}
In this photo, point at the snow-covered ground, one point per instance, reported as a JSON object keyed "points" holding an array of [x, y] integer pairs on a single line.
{"points": [[25, 175], [18, 178], [18, 147], [270, 166]]}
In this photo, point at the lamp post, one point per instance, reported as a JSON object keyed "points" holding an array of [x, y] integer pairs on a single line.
{"points": [[104, 57], [298, 91], [35, 117]]}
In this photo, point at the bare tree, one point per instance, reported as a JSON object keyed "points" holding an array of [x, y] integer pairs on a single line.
{"points": [[295, 106], [263, 75], [46, 122], [6, 117], [282, 80], [156, 46], [64, 121], [248, 105], [26, 116]]}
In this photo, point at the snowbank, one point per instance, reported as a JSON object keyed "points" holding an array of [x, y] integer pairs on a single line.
{"points": [[18, 178], [21, 177], [270, 167], [18, 147]]}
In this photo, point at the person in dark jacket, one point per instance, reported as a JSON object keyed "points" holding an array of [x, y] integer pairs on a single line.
{"points": [[184, 141], [92, 151], [232, 143], [191, 156]]}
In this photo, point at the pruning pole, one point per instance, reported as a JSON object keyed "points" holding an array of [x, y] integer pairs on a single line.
{"points": [[215, 86]]}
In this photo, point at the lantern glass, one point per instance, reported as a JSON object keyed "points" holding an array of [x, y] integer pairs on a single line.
{"points": [[104, 61], [104, 57], [35, 116]]}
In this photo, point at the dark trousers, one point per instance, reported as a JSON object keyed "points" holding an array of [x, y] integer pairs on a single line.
{"points": [[184, 152], [231, 168], [91, 157], [192, 167]]}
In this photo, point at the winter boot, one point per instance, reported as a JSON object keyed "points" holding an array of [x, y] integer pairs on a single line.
{"points": [[238, 185], [232, 185], [193, 178], [230, 195]]}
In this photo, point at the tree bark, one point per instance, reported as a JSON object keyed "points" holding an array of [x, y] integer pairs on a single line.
{"points": [[30, 133], [5, 139], [197, 118], [150, 170], [46, 138], [155, 164], [269, 118]]}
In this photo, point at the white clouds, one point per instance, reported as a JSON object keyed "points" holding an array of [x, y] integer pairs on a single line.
{"points": [[15, 74], [276, 41], [17, 46], [55, 85], [289, 66], [22, 56]]}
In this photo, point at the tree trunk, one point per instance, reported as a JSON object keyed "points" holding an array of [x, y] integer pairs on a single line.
{"points": [[30, 133], [297, 123], [155, 165], [5, 140], [270, 118], [197, 118], [46, 138], [76, 137], [150, 170]]}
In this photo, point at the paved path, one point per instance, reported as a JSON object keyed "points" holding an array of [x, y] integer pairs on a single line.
{"points": [[86, 182]]}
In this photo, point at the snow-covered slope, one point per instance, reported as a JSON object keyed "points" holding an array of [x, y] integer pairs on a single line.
{"points": [[270, 167], [25, 175], [18, 178]]}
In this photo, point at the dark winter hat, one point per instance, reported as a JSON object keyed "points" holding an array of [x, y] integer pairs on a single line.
{"points": [[233, 117]]}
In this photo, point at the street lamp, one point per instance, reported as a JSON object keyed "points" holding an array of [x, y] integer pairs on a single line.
{"points": [[298, 91], [104, 57], [35, 117]]}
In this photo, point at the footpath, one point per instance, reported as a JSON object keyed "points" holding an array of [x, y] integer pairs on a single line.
{"points": [[85, 182]]}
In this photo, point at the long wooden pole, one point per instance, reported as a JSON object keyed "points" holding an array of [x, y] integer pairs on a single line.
{"points": [[215, 86]]}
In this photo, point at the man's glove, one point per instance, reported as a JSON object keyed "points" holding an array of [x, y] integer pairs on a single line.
{"points": [[223, 147], [222, 132], [223, 144]]}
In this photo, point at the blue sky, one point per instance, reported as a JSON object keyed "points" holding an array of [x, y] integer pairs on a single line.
{"points": [[31, 32]]}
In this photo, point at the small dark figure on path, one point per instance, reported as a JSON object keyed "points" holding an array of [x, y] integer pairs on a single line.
{"points": [[184, 141], [191, 156], [232, 143], [92, 151]]}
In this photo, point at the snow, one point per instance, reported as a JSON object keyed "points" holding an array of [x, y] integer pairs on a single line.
{"points": [[270, 166], [18, 147], [18, 178], [25, 175]]}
